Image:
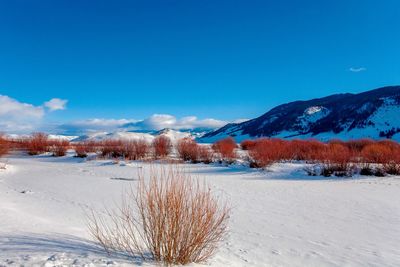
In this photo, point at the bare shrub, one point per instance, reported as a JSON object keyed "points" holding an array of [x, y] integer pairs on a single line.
{"points": [[366, 169], [37, 144], [162, 146], [337, 161], [376, 153], [83, 148], [308, 150], [247, 144], [386, 154], [205, 154], [4, 146], [170, 218], [188, 150], [267, 151], [135, 149], [59, 147], [226, 149], [111, 148]]}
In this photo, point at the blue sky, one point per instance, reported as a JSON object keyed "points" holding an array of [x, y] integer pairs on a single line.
{"points": [[211, 59]]}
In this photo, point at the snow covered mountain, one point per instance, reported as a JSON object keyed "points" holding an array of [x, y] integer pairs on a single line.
{"points": [[174, 135], [372, 114]]}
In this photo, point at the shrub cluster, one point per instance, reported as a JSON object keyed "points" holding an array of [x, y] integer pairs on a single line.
{"points": [[162, 146], [4, 146], [336, 157], [126, 149], [58, 147], [37, 144], [189, 150], [381, 158], [225, 148], [83, 148]]}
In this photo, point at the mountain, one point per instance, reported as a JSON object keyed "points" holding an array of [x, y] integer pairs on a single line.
{"points": [[174, 135], [372, 114]]}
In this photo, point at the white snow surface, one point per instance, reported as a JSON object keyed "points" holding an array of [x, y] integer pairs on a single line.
{"points": [[280, 217]]}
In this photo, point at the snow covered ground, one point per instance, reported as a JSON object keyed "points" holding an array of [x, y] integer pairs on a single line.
{"points": [[280, 217]]}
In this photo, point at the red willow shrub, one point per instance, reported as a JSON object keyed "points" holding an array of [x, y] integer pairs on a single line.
{"points": [[37, 144], [58, 147], [376, 153], [162, 146], [189, 150], [83, 148], [111, 148], [135, 149], [386, 154], [267, 151], [225, 148], [4, 146], [337, 160], [308, 150], [205, 154], [358, 145], [248, 144]]}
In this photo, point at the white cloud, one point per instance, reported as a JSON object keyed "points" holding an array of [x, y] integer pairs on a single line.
{"points": [[56, 104], [161, 121], [91, 125], [154, 122], [357, 69], [19, 117], [16, 116]]}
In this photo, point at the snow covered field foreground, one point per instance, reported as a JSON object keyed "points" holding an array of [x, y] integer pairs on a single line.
{"points": [[280, 217]]}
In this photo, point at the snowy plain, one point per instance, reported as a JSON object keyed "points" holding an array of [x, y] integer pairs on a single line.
{"points": [[280, 216]]}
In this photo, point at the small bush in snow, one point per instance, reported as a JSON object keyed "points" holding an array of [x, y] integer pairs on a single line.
{"points": [[4, 146], [37, 144], [188, 150], [111, 148], [226, 149], [247, 144], [205, 154], [337, 160], [162, 146], [59, 147], [135, 149], [170, 218]]}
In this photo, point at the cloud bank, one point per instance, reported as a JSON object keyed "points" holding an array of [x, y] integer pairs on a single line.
{"points": [[162, 121], [19, 117], [153, 123], [16, 116]]}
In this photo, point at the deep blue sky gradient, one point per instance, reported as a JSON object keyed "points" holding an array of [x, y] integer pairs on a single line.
{"points": [[209, 58]]}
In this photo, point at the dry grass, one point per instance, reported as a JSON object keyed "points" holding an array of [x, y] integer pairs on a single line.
{"points": [[170, 218]]}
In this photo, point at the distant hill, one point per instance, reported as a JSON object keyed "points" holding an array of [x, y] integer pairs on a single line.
{"points": [[372, 114]]}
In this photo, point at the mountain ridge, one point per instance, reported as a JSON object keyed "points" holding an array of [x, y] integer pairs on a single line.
{"points": [[370, 114]]}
